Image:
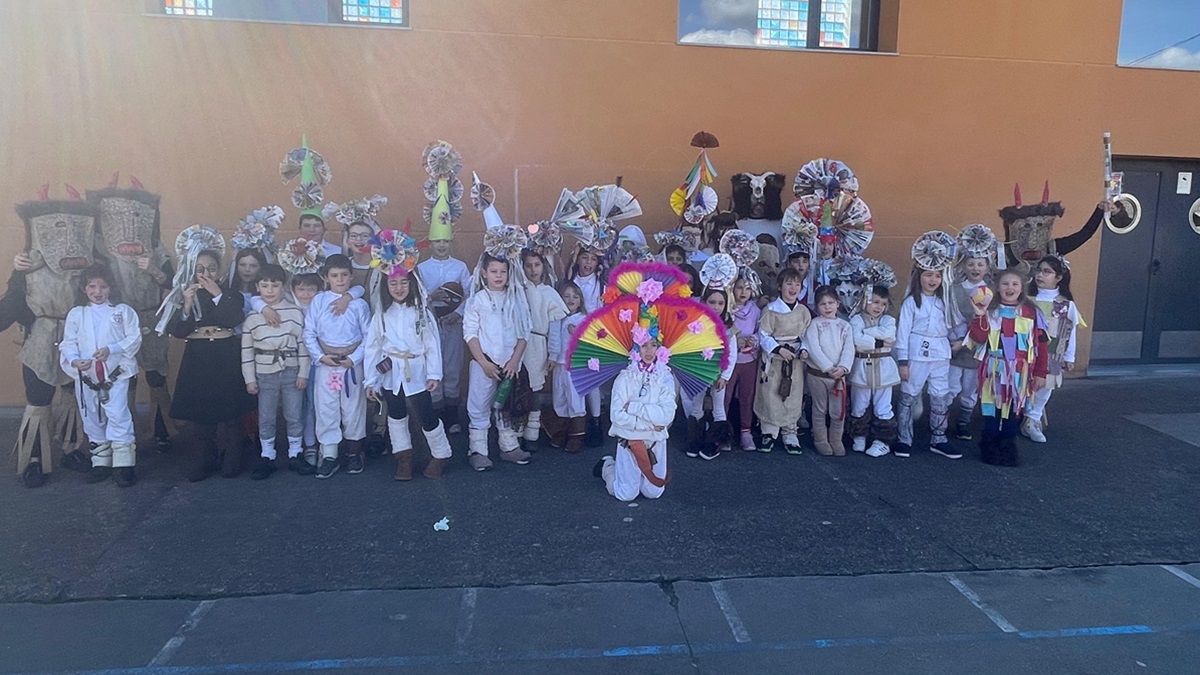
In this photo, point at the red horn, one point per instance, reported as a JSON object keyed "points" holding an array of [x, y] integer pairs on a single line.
{"points": [[137, 184], [1017, 195], [72, 192], [407, 225], [115, 177], [44, 192], [1046, 193]]}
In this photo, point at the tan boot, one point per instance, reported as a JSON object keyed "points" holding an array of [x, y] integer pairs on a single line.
{"points": [[404, 465], [820, 434], [435, 467], [438, 445], [837, 429]]}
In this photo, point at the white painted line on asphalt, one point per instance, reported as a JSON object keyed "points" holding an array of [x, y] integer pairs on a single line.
{"points": [[1182, 575], [736, 626], [973, 597], [466, 619], [168, 650]]}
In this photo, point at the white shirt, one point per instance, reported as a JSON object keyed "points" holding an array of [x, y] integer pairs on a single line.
{"points": [[91, 327], [416, 357], [922, 334], [435, 273], [488, 318], [590, 287], [322, 325], [330, 249], [642, 401]]}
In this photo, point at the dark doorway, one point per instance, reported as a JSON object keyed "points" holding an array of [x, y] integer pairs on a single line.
{"points": [[1148, 278]]}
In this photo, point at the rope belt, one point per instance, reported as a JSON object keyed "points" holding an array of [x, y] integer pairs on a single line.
{"points": [[406, 356], [873, 354]]}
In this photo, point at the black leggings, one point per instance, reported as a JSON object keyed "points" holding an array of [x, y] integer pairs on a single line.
{"points": [[397, 407]]}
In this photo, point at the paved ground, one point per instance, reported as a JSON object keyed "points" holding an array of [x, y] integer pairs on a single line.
{"points": [[1108, 490]]}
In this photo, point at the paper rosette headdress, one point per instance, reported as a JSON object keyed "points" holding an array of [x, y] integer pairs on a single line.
{"points": [[827, 206], [443, 189], [935, 250], [694, 200], [603, 207], [546, 236], [719, 272], [978, 241], [825, 178], [645, 300], [302, 256], [188, 246], [257, 230], [314, 173], [394, 252], [744, 249], [364, 209]]}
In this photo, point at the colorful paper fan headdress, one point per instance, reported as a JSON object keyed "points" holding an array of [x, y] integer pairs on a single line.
{"points": [[845, 221], [394, 252], [825, 178], [694, 200], [314, 173], [603, 207], [644, 301], [443, 189]]}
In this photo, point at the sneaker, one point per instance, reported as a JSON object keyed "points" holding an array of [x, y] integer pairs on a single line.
{"points": [[692, 451], [1032, 430], [355, 463], [962, 431], [598, 469], [945, 450], [263, 469], [377, 445], [878, 449], [163, 443], [479, 462], [791, 443], [860, 444], [455, 428], [517, 456], [98, 474], [125, 476], [748, 441], [329, 466], [724, 446], [709, 452], [301, 466], [901, 449], [766, 443]]}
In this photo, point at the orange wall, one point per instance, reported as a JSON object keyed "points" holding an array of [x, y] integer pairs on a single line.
{"points": [[545, 94]]}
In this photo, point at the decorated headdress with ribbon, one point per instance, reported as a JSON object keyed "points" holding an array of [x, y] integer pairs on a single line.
{"points": [[395, 252], [188, 246], [936, 250], [257, 231], [854, 277], [363, 209], [694, 200], [719, 272], [644, 302], [302, 256], [314, 174], [503, 242], [827, 196], [744, 250], [978, 241], [443, 189]]}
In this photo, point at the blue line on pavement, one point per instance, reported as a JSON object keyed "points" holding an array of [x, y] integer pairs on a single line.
{"points": [[638, 651]]}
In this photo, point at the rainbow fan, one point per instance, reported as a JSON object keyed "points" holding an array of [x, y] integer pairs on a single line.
{"points": [[650, 299]]}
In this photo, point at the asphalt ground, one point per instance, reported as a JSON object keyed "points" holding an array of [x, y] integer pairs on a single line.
{"points": [[1116, 485]]}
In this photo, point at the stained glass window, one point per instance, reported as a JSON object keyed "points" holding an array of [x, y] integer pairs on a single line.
{"points": [[375, 11], [188, 7]]}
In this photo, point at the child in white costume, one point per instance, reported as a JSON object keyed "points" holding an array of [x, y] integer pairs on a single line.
{"points": [[874, 376], [335, 342], [587, 274], [496, 328], [545, 307], [570, 423], [643, 405], [923, 345], [1052, 280], [99, 351], [830, 356], [404, 359]]}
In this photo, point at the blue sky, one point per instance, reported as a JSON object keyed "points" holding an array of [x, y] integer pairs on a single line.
{"points": [[1150, 25], [718, 21]]}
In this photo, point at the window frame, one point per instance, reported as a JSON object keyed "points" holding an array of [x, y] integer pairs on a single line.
{"points": [[157, 9], [868, 27]]}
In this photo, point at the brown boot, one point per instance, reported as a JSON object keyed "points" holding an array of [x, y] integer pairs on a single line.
{"points": [[820, 434], [435, 467], [404, 465], [837, 429]]}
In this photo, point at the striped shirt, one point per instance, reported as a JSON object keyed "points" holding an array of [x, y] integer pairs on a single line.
{"points": [[267, 349]]}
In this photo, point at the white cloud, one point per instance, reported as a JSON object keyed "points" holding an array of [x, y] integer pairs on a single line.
{"points": [[1176, 58], [719, 37], [732, 13]]}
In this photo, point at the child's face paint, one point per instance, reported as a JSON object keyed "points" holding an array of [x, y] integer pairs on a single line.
{"points": [[496, 275], [97, 291], [398, 288], [270, 291]]}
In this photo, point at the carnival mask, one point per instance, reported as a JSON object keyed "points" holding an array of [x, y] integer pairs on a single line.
{"points": [[62, 232], [850, 296], [128, 221], [758, 195]]}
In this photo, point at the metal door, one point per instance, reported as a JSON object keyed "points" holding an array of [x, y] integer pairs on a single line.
{"points": [[1146, 310]]}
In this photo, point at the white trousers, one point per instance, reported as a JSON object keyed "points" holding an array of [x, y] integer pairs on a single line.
{"points": [[862, 398], [481, 389], [937, 375], [111, 421], [339, 414], [934, 373], [623, 478], [1036, 405], [593, 399], [964, 385]]}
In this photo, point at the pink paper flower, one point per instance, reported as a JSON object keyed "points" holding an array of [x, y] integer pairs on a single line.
{"points": [[649, 290], [601, 333], [680, 315], [663, 354], [640, 335], [707, 353], [696, 327], [625, 315], [594, 364]]}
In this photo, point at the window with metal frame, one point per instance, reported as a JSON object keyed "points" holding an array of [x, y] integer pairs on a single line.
{"points": [[782, 24], [381, 13]]}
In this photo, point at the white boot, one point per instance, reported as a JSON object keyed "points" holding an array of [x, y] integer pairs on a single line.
{"points": [[477, 452], [268, 447], [533, 426], [123, 454], [102, 454], [1032, 429], [401, 436]]}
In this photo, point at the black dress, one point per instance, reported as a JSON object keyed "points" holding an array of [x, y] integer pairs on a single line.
{"points": [[210, 388]]}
